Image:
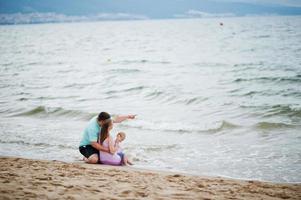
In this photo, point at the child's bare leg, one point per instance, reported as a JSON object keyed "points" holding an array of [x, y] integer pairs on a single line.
{"points": [[129, 162], [126, 161]]}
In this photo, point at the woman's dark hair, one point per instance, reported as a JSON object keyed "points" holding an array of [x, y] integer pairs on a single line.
{"points": [[104, 132], [103, 116]]}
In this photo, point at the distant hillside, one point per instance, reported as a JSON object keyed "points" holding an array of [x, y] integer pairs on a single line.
{"points": [[131, 9]]}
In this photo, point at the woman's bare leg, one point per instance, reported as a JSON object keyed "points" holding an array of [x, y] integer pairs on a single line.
{"points": [[93, 159]]}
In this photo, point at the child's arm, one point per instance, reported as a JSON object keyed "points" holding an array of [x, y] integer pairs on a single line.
{"points": [[113, 146]]}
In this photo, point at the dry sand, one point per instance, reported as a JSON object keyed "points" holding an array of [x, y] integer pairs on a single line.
{"points": [[36, 179]]}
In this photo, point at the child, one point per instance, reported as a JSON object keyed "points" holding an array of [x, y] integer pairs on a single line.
{"points": [[120, 137]]}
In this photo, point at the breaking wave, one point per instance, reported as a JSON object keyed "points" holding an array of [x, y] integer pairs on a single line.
{"points": [[43, 111]]}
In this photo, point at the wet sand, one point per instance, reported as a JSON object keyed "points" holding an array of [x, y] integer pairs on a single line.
{"points": [[38, 179]]}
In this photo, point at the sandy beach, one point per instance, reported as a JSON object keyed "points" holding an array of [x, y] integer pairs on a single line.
{"points": [[38, 179]]}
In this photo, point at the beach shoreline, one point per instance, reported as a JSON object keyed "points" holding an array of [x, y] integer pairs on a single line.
{"points": [[40, 179]]}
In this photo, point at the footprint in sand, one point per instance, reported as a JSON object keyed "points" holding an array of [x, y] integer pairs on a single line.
{"points": [[43, 178], [125, 192], [201, 185], [141, 194], [6, 181]]}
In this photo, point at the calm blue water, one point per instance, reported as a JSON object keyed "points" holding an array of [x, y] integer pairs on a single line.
{"points": [[210, 99]]}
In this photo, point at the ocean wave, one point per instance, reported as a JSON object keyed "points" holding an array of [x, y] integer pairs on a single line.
{"points": [[170, 98], [224, 126], [194, 100], [158, 148], [270, 93], [181, 128], [283, 110], [162, 97], [292, 79], [131, 89], [262, 36], [79, 85], [248, 64], [143, 61], [43, 111], [291, 94], [37, 144], [66, 71], [216, 127], [123, 70], [271, 125], [251, 93], [276, 110], [44, 98], [154, 95]]}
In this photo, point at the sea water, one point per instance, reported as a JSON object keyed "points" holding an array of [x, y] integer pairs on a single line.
{"points": [[210, 99]]}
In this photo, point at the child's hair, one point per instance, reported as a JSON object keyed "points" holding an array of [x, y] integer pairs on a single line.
{"points": [[122, 135]]}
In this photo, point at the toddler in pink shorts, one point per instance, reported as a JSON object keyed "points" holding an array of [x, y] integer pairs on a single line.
{"points": [[119, 138]]}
